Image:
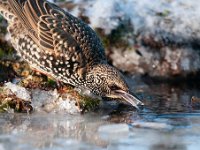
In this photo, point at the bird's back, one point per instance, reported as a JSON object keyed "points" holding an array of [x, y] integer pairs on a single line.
{"points": [[52, 40]]}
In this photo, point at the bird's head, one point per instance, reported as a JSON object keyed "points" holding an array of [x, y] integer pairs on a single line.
{"points": [[106, 81]]}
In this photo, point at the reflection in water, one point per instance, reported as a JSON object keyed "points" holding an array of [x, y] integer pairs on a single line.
{"points": [[164, 105], [169, 146], [42, 130]]}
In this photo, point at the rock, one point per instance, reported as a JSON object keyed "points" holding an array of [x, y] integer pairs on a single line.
{"points": [[195, 102], [11, 103], [166, 63]]}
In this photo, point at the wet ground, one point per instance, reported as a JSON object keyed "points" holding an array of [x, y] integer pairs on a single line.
{"points": [[170, 120]]}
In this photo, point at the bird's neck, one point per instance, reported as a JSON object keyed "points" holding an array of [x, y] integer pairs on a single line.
{"points": [[98, 69]]}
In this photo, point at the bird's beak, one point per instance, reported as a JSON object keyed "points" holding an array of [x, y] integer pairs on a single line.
{"points": [[133, 100]]}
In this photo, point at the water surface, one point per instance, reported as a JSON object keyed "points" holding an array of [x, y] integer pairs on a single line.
{"points": [[168, 121]]}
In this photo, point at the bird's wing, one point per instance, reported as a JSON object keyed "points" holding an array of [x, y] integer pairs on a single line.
{"points": [[41, 21], [57, 31]]}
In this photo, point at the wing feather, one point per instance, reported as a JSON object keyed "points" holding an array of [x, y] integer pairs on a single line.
{"points": [[17, 7], [58, 32]]}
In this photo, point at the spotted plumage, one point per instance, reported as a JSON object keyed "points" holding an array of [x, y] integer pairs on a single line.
{"points": [[60, 45]]}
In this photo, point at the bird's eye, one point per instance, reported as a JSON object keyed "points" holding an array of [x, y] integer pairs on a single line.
{"points": [[114, 88]]}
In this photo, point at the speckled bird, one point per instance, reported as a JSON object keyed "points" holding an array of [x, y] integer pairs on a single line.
{"points": [[62, 46]]}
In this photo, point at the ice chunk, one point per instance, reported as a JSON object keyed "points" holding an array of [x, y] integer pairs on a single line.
{"points": [[41, 97], [52, 101], [67, 104], [19, 91]]}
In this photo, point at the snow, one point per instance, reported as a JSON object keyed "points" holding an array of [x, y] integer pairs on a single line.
{"points": [[177, 17], [104, 14]]}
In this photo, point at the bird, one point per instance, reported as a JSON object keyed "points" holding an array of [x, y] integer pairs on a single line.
{"points": [[62, 46]]}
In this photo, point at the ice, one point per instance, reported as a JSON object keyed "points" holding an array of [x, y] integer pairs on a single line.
{"points": [[67, 104], [41, 97], [41, 100], [19, 91], [52, 101]]}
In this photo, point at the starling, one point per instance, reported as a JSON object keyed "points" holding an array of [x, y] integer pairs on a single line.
{"points": [[62, 46]]}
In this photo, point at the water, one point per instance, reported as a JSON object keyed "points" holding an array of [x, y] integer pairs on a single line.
{"points": [[168, 121]]}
